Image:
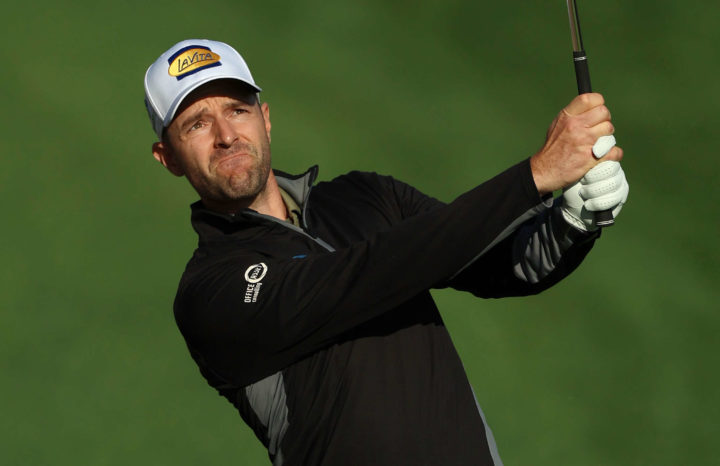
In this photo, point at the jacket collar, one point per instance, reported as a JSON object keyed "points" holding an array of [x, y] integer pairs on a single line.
{"points": [[297, 186]]}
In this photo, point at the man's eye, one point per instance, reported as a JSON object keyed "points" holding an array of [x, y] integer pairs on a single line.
{"points": [[238, 111], [196, 125]]}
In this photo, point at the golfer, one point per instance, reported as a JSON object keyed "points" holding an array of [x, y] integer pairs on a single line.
{"points": [[306, 304]]}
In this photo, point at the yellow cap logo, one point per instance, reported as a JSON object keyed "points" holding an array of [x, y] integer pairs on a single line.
{"points": [[191, 60]]}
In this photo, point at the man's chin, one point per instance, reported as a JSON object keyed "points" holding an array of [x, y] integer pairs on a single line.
{"points": [[235, 190], [244, 188]]}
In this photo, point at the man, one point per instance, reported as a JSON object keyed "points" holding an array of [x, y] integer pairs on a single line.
{"points": [[308, 307]]}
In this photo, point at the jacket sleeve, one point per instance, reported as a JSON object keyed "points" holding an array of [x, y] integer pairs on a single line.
{"points": [[537, 255], [251, 315], [524, 260]]}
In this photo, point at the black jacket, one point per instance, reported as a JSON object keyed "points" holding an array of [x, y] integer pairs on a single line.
{"points": [[326, 338]]}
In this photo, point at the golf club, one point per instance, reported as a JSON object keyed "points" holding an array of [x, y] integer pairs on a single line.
{"points": [[603, 218]]}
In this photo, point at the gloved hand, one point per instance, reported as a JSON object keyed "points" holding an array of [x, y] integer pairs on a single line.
{"points": [[603, 187]]}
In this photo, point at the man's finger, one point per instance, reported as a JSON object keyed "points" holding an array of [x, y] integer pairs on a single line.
{"points": [[596, 115], [605, 128], [616, 154], [583, 103]]}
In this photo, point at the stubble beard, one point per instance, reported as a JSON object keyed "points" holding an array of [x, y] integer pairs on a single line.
{"points": [[242, 186]]}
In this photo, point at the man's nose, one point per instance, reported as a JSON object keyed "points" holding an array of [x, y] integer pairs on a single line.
{"points": [[225, 134]]}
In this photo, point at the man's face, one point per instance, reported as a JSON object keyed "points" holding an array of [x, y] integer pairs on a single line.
{"points": [[220, 140]]}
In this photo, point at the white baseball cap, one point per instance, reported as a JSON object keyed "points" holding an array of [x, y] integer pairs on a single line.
{"points": [[183, 68]]}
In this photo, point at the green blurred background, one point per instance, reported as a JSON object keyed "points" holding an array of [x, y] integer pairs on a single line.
{"points": [[616, 365]]}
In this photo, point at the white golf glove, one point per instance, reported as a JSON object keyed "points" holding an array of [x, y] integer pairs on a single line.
{"points": [[603, 187], [603, 145]]}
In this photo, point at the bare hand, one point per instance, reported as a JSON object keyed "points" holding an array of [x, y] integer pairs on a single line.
{"points": [[567, 153]]}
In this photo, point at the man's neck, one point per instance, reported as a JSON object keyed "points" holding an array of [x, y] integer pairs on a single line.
{"points": [[270, 201]]}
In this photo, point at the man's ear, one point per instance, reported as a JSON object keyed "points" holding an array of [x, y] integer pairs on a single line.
{"points": [[164, 154], [266, 116]]}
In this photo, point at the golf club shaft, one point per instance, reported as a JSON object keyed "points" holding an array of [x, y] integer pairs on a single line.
{"points": [[603, 218]]}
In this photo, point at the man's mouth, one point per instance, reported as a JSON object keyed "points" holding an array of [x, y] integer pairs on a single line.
{"points": [[230, 158]]}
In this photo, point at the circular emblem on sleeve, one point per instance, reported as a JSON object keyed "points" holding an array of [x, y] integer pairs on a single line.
{"points": [[256, 272]]}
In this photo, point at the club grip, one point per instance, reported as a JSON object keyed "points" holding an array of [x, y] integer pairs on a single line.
{"points": [[582, 72], [603, 218]]}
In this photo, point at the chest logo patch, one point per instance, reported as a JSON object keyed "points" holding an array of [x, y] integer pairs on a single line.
{"points": [[254, 275]]}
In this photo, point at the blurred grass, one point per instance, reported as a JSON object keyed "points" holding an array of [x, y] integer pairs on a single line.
{"points": [[616, 365]]}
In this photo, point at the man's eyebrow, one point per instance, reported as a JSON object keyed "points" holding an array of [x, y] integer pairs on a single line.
{"points": [[192, 118], [233, 102]]}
